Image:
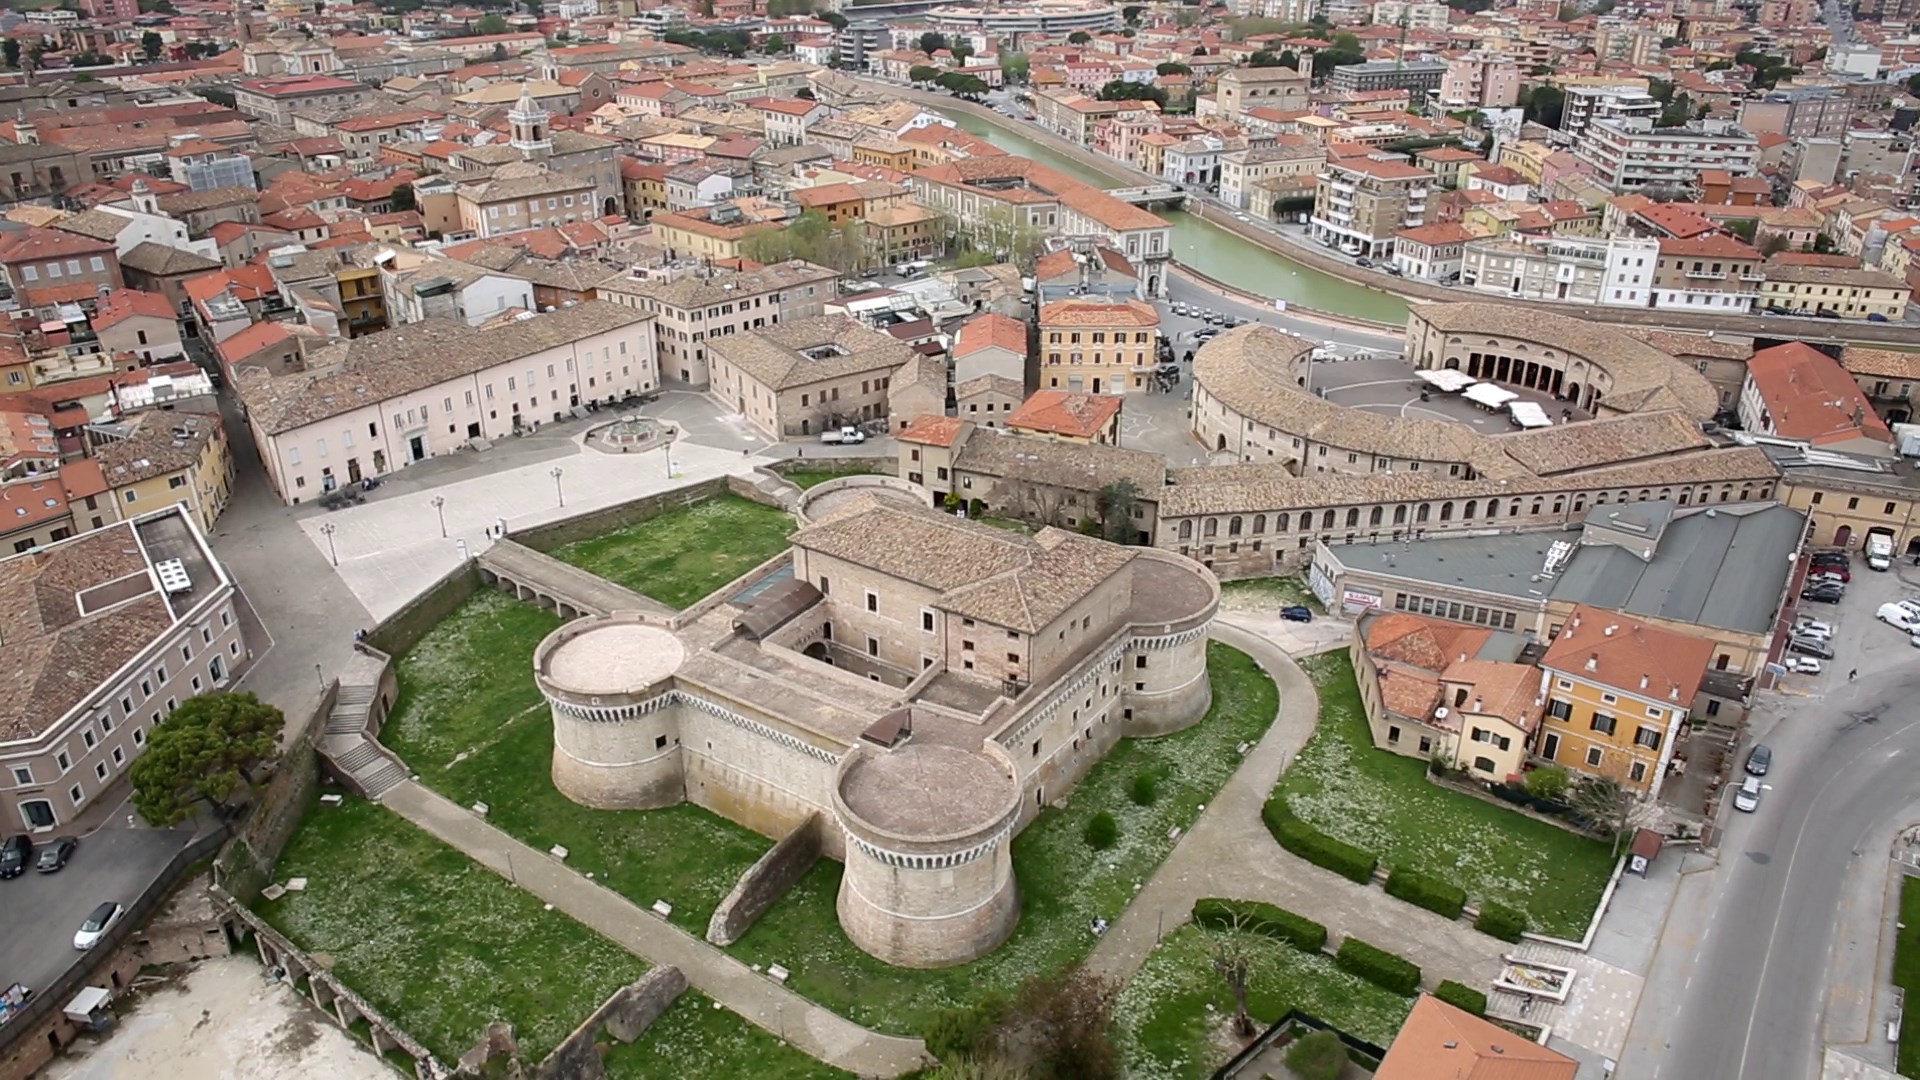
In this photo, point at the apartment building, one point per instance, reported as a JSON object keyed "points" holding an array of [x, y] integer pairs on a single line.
{"points": [[1631, 154], [1584, 105], [151, 460], [1617, 272], [1801, 112], [1617, 690], [1243, 172], [1795, 391], [1715, 272], [1361, 205], [1417, 77], [43, 268], [524, 195], [1480, 80], [1431, 252], [1241, 89], [808, 376], [1098, 347], [694, 304], [146, 623], [369, 405], [1849, 292]]}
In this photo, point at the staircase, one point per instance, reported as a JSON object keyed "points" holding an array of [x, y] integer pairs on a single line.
{"points": [[1542, 1012], [776, 487], [345, 741]]}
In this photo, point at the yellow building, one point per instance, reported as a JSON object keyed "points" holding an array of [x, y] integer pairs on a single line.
{"points": [[362, 303], [16, 367], [715, 232], [151, 460], [1616, 692], [1849, 292], [1097, 346]]}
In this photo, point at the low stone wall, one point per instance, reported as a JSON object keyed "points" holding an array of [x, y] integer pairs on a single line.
{"points": [[245, 865], [626, 1016], [399, 631], [545, 538], [765, 882], [743, 487]]}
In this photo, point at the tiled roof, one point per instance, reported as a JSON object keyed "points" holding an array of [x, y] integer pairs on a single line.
{"points": [[933, 430], [1428, 644], [413, 357], [1441, 1042], [123, 304], [1064, 412], [1098, 313], [1066, 465], [812, 350], [991, 330], [1881, 363], [1629, 655], [1809, 396]]}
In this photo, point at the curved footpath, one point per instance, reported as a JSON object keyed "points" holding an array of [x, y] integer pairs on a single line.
{"points": [[1337, 266], [1229, 853]]}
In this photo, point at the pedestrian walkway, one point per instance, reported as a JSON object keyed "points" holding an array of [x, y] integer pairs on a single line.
{"points": [[1230, 853], [816, 1031]]}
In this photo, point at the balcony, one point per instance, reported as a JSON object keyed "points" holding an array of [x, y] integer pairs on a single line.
{"points": [[1709, 275]]}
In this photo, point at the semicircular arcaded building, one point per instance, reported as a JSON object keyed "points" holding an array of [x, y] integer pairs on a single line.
{"points": [[914, 686]]}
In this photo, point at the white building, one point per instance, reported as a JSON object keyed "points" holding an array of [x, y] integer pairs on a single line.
{"points": [[1617, 272], [367, 406], [1586, 104], [418, 287], [1627, 155]]}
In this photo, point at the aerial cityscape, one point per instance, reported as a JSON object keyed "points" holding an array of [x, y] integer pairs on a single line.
{"points": [[959, 539]]}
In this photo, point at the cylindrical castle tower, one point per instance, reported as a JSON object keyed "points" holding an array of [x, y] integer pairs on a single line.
{"points": [[616, 732], [1166, 662], [929, 872]]}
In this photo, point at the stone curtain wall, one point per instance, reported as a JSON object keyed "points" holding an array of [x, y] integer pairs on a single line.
{"points": [[245, 865], [545, 538], [403, 628], [766, 881], [625, 1016]]}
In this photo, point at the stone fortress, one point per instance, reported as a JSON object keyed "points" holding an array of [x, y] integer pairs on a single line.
{"points": [[1305, 469], [914, 685]]}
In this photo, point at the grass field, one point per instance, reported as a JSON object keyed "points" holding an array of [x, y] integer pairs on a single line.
{"points": [[1342, 786], [1269, 593], [682, 555], [472, 723], [806, 478], [1169, 1011], [436, 942], [693, 1038], [1906, 975], [1063, 883]]}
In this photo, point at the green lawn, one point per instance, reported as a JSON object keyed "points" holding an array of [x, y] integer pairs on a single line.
{"points": [[435, 941], [682, 555], [693, 1038], [1063, 883], [1343, 786], [813, 477], [1271, 593], [472, 723], [1167, 1029], [1906, 974]]}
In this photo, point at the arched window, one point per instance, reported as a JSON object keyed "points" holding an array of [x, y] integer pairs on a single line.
{"points": [[1422, 513], [1446, 511], [1374, 517], [1233, 525], [1514, 509], [1186, 529], [1212, 527], [1280, 523], [1400, 515], [1326, 520], [1259, 524], [1353, 517], [1472, 505]]}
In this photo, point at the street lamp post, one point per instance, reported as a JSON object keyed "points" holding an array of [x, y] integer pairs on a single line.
{"points": [[333, 553], [558, 493], [439, 503]]}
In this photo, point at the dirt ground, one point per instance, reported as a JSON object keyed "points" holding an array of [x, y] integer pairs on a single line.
{"points": [[220, 1019]]}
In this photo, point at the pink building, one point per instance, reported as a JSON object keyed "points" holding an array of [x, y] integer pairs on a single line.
{"points": [[110, 10], [1480, 80]]}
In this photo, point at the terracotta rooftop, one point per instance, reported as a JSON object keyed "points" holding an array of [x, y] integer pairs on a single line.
{"points": [[991, 330], [931, 430], [1064, 412], [1441, 1042], [1808, 395], [1622, 653]]}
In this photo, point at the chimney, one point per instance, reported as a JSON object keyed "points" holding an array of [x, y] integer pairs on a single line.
{"points": [[1611, 629], [1479, 705], [1593, 661], [1643, 682]]}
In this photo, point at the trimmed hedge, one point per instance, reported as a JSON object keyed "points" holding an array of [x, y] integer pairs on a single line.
{"points": [[1257, 918], [1462, 996], [1378, 966], [1501, 921], [1352, 863], [1442, 897]]}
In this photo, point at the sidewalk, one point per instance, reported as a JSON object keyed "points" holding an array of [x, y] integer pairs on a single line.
{"points": [[1230, 853], [816, 1031]]}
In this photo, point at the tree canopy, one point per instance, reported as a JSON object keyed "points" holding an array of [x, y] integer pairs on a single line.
{"points": [[1172, 67], [1123, 90], [932, 42], [962, 85], [923, 73], [1079, 37], [205, 751], [490, 24]]}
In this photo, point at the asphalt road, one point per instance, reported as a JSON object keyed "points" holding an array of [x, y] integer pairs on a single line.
{"points": [[43, 910], [1776, 950]]}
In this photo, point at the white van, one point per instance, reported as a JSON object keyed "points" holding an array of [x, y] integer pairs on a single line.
{"points": [[1899, 616]]}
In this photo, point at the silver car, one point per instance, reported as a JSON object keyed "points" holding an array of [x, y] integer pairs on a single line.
{"points": [[1746, 798]]}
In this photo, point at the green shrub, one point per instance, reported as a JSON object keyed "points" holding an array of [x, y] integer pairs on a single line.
{"points": [[1501, 921], [1378, 966], [1550, 782], [1143, 789], [1431, 893], [1352, 863], [1319, 1056], [971, 1031], [1102, 831], [1264, 919], [1462, 996]]}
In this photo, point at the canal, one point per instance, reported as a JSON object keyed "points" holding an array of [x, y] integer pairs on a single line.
{"points": [[1212, 250]]}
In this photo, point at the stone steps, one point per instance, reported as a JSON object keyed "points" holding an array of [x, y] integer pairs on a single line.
{"points": [[357, 757], [381, 780]]}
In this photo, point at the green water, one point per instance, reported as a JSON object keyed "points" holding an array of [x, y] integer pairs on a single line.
{"points": [[1212, 250]]}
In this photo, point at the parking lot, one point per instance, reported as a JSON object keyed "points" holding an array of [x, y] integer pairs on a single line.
{"points": [[43, 910], [1861, 641]]}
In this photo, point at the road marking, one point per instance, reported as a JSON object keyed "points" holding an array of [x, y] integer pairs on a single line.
{"points": [[1780, 911]]}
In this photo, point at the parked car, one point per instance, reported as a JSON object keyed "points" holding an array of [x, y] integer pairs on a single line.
{"points": [[1759, 760], [1898, 616], [1830, 573], [844, 435], [1831, 555], [1179, 309], [1746, 798], [1822, 596], [13, 856], [55, 855], [1363, 263], [1810, 647], [1805, 627], [1803, 665], [98, 923], [1297, 613], [1874, 316]]}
